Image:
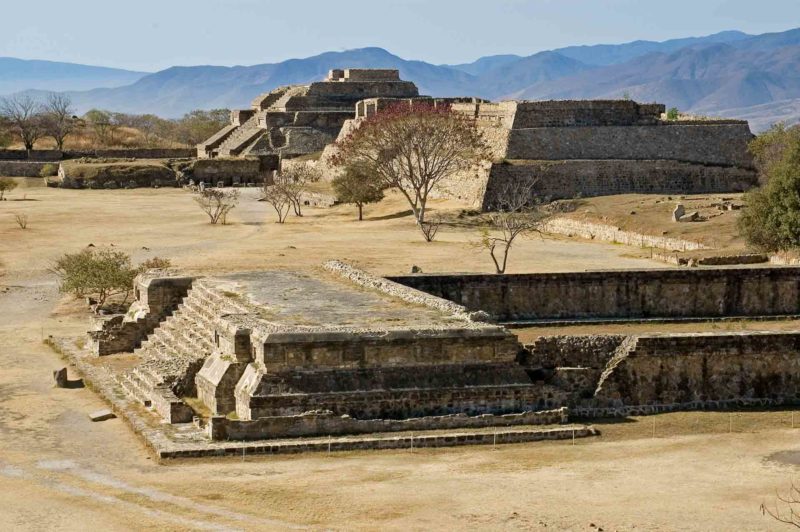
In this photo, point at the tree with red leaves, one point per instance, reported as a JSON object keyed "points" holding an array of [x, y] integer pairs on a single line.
{"points": [[413, 147]]}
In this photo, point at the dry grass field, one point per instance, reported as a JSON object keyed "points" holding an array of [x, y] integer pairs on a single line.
{"points": [[59, 471]]}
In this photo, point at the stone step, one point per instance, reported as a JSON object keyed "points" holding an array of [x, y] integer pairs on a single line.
{"points": [[133, 388]]}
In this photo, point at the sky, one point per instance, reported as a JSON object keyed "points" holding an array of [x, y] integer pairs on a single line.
{"points": [[150, 35]]}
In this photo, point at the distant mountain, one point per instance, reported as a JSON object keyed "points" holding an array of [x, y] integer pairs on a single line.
{"points": [[612, 54], [177, 90], [710, 79], [485, 64], [21, 74], [729, 74]]}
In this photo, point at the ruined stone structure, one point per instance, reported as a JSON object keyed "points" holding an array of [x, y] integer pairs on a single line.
{"points": [[570, 148], [300, 119], [284, 355], [598, 147]]}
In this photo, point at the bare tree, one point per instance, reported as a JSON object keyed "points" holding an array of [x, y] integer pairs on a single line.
{"points": [[21, 219], [295, 180], [274, 193], [23, 113], [429, 228], [414, 147], [516, 214], [102, 124], [217, 203], [58, 118], [787, 507]]}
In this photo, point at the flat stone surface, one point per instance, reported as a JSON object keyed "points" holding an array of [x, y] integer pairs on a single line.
{"points": [[322, 301], [102, 415]]}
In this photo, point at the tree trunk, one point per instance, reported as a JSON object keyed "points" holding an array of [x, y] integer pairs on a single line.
{"points": [[360, 213]]}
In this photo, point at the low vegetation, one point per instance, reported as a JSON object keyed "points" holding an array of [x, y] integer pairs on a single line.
{"points": [[770, 220], [27, 120], [100, 273], [217, 203], [6, 185]]}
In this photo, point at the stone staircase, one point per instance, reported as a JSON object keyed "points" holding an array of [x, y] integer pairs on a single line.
{"points": [[242, 137], [280, 103], [177, 348]]}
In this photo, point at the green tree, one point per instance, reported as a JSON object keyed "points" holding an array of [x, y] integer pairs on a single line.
{"points": [[6, 185], [356, 186], [672, 113], [95, 273], [769, 148], [770, 219]]}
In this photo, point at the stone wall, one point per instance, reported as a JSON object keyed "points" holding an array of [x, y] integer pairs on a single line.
{"points": [[610, 233], [76, 174], [590, 351], [570, 113], [231, 171], [587, 178], [326, 423], [26, 168], [703, 370], [621, 294], [121, 153], [716, 144]]}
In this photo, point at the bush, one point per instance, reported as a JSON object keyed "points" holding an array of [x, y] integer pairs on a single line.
{"points": [[6, 185], [95, 273], [770, 219], [100, 273], [672, 113], [48, 170]]}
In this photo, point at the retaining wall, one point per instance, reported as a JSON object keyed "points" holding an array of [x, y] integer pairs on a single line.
{"points": [[621, 294], [25, 168], [587, 178], [718, 144]]}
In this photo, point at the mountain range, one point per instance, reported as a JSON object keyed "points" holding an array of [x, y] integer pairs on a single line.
{"points": [[729, 74]]}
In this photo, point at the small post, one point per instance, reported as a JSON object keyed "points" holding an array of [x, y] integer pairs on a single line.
{"points": [[573, 436], [329, 444], [412, 442], [243, 451], [654, 427]]}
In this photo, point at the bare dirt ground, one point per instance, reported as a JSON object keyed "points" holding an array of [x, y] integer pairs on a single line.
{"points": [[651, 214], [59, 471]]}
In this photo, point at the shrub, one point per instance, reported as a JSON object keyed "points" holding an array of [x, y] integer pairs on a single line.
{"points": [[770, 219], [48, 170], [97, 273], [217, 203], [672, 113], [6, 185]]}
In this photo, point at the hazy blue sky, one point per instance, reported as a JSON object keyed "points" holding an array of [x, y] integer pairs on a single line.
{"points": [[154, 34]]}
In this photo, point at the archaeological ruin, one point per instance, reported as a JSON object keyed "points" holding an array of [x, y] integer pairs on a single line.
{"points": [[569, 148], [281, 356]]}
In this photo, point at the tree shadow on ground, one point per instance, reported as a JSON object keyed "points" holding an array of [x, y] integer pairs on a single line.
{"points": [[393, 216]]}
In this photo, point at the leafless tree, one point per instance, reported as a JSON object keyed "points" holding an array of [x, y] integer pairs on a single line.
{"points": [[58, 120], [787, 507], [24, 114], [22, 220], [295, 180], [274, 193], [217, 203], [429, 228], [516, 214], [413, 148]]}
